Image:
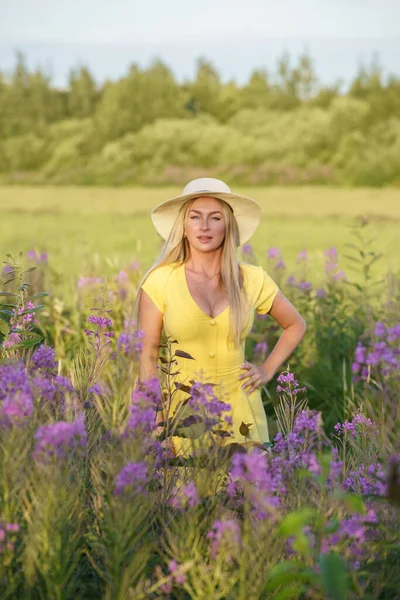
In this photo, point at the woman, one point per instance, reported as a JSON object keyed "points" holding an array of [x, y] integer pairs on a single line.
{"points": [[206, 300]]}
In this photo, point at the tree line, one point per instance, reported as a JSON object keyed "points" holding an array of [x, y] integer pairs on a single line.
{"points": [[148, 128]]}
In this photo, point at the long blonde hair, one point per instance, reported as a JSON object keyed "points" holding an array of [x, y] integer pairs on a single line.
{"points": [[177, 250]]}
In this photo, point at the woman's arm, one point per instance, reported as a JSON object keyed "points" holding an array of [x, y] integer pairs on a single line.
{"points": [[150, 322], [294, 327]]}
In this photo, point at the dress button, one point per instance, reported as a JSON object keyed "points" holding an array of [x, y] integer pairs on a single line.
{"points": [[212, 322], [212, 354]]}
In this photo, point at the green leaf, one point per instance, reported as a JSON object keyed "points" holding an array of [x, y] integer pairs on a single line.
{"points": [[221, 433], [9, 280], [29, 270], [7, 312], [4, 327], [8, 294], [194, 428], [183, 354], [332, 526], [29, 311], [294, 522], [182, 387], [40, 295], [289, 571], [301, 544], [335, 576], [29, 343], [355, 503], [290, 592], [32, 335]]}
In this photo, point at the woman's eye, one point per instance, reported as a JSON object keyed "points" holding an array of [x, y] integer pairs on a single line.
{"points": [[194, 217], [217, 218]]}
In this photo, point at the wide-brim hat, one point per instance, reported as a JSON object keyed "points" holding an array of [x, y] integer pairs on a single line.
{"points": [[246, 211]]}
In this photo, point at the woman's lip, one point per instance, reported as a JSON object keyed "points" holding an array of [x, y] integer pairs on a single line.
{"points": [[204, 238]]}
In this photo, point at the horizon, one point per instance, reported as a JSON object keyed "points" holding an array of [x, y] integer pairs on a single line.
{"points": [[334, 60]]}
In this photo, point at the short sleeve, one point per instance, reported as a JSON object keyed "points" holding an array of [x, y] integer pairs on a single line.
{"points": [[155, 287], [267, 294]]}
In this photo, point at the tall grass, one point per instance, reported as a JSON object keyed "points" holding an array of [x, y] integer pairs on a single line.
{"points": [[93, 502]]}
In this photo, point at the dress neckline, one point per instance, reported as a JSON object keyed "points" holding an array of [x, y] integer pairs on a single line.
{"points": [[189, 293]]}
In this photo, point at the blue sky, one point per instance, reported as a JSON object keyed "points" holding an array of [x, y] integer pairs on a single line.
{"points": [[237, 35]]}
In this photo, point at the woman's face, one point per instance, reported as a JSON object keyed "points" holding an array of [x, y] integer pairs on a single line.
{"points": [[205, 224]]}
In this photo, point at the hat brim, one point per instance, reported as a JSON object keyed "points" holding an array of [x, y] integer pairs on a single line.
{"points": [[247, 212]]}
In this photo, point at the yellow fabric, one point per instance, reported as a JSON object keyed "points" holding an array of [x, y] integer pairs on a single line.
{"points": [[206, 340]]}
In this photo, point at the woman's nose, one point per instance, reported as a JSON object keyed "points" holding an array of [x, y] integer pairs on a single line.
{"points": [[204, 225]]}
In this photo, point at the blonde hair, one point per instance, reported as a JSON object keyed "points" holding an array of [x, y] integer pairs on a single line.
{"points": [[177, 250]]}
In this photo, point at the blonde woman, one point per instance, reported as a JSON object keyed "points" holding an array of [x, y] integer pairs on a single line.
{"points": [[205, 299]]}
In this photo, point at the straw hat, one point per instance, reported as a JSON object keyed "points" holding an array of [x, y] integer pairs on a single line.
{"points": [[246, 211]]}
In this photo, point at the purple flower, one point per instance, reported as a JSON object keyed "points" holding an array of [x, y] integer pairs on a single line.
{"points": [[176, 573], [360, 354], [339, 276], [304, 285], [134, 265], [7, 270], [191, 495], [359, 425], [329, 267], [247, 249], [380, 330], [320, 293], [146, 398], [130, 340], [224, 533], [17, 406], [273, 252], [95, 389], [261, 348], [44, 358], [331, 254], [32, 254], [13, 378], [256, 481], [15, 394], [280, 265], [307, 420], [393, 333], [302, 256], [58, 439], [102, 322], [291, 280], [205, 402], [25, 318], [89, 281], [122, 277], [132, 478], [291, 385]]}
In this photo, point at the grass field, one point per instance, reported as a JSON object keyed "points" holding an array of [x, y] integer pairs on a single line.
{"points": [[100, 229]]}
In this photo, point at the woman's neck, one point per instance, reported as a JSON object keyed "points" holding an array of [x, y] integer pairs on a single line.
{"points": [[205, 262]]}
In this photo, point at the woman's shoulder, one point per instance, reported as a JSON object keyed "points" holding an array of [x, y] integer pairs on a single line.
{"points": [[161, 273], [256, 278], [252, 273]]}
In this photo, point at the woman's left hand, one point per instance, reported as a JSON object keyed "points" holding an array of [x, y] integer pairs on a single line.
{"points": [[255, 376]]}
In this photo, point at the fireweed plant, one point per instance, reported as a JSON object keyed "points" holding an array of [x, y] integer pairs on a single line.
{"points": [[95, 502]]}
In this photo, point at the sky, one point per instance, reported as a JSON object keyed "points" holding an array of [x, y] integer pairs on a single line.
{"points": [[236, 35]]}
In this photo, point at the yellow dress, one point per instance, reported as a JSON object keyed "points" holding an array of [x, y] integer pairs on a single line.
{"points": [[206, 340]]}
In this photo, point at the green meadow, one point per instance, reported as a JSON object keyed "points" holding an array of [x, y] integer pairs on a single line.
{"points": [[86, 230]]}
